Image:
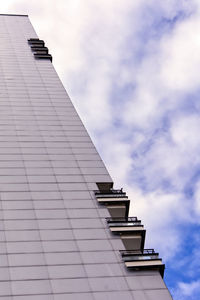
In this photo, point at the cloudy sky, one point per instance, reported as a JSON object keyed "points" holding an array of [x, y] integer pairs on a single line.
{"points": [[132, 69]]}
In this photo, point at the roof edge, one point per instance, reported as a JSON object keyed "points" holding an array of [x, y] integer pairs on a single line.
{"points": [[16, 15]]}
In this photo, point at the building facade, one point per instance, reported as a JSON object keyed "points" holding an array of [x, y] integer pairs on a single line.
{"points": [[65, 232]]}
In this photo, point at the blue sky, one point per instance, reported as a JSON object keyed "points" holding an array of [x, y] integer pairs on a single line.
{"points": [[132, 70]]}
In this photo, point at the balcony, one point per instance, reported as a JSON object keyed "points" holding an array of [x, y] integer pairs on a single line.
{"points": [[146, 259], [131, 231], [39, 49], [43, 56], [115, 200], [36, 42]]}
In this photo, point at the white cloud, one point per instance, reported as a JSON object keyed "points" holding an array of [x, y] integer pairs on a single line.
{"points": [[197, 198], [180, 54], [186, 290], [161, 212], [185, 131]]}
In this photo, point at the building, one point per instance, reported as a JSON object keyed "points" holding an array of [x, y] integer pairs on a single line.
{"points": [[65, 232]]}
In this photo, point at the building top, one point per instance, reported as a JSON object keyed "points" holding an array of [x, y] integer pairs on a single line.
{"points": [[16, 15]]}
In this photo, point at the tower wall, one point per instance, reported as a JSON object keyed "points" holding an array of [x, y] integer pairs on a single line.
{"points": [[55, 241]]}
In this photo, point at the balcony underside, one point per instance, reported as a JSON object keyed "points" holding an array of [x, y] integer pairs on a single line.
{"points": [[146, 265]]}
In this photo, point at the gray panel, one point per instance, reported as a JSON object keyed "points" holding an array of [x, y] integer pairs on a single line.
{"points": [[20, 224], [79, 204], [117, 244], [63, 258], [146, 282], [114, 295], [24, 247], [70, 285], [99, 257], [15, 196], [86, 223], [5, 288], [56, 235], [103, 270], [50, 214], [51, 204], [158, 294], [19, 214], [55, 224], [83, 213], [26, 259], [70, 271], [81, 234], [94, 245], [108, 284], [4, 274], [59, 246], [28, 273], [45, 195], [77, 296], [31, 287], [140, 295], [17, 204], [33, 297], [72, 195], [152, 295], [4, 261]]}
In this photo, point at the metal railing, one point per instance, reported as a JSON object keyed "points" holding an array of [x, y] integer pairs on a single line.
{"points": [[146, 254], [131, 221], [110, 192], [136, 252]]}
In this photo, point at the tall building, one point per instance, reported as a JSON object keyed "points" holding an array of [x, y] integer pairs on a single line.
{"points": [[64, 231]]}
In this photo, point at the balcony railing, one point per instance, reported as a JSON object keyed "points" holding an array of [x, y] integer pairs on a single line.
{"points": [[123, 222], [110, 193], [146, 254]]}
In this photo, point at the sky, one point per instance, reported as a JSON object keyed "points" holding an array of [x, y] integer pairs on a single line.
{"points": [[132, 71]]}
